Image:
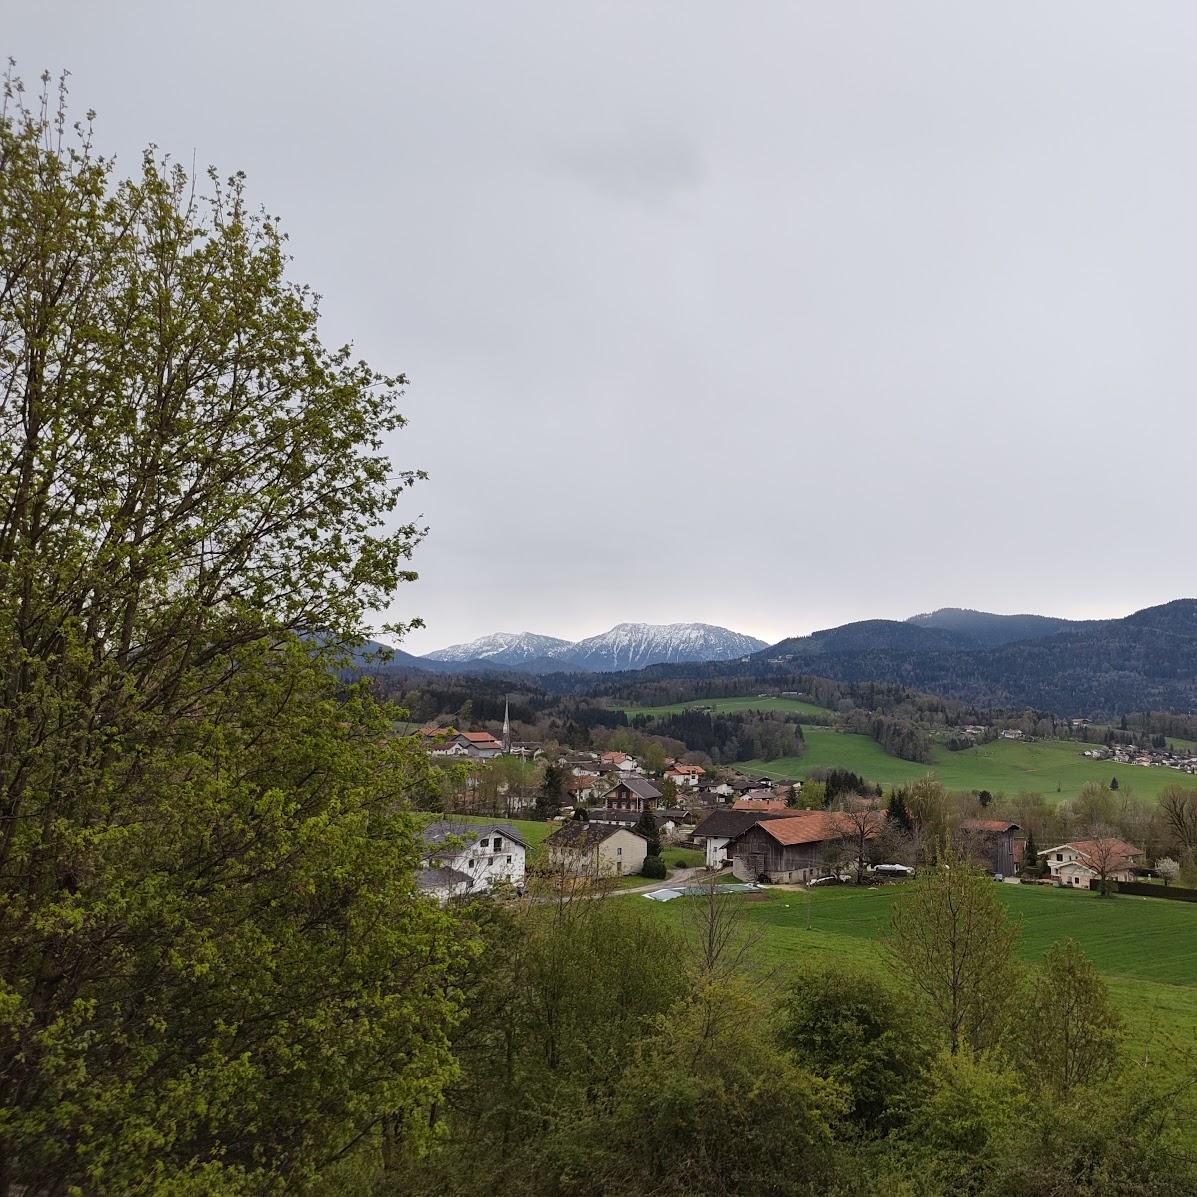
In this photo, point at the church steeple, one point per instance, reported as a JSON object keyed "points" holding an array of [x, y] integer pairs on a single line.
{"points": [[506, 726]]}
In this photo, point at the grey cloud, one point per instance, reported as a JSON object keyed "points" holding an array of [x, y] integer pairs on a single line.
{"points": [[769, 316]]}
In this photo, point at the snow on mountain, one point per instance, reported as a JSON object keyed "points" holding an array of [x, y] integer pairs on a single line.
{"points": [[635, 645], [625, 646], [501, 648]]}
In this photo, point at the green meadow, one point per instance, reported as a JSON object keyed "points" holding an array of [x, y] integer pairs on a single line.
{"points": [[791, 706], [1146, 948], [1054, 768]]}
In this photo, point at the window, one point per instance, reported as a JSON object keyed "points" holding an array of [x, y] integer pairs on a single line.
{"points": [[618, 851], [473, 862], [498, 843], [483, 843]]}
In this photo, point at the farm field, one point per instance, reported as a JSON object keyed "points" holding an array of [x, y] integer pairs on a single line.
{"points": [[1146, 948], [790, 706], [1054, 768]]}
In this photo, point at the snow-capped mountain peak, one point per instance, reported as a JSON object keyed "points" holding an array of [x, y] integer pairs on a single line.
{"points": [[625, 646], [501, 648]]}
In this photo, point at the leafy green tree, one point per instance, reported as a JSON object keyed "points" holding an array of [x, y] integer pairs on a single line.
{"points": [[1069, 1033], [969, 1130], [215, 973], [854, 1029], [709, 1106], [953, 943]]}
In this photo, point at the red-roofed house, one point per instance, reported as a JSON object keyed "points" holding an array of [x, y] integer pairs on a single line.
{"points": [[685, 775], [761, 804], [1082, 861]]}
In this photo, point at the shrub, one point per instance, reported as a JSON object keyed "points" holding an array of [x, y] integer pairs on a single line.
{"points": [[654, 868]]}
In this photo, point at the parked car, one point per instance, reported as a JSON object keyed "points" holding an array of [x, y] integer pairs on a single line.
{"points": [[893, 870]]}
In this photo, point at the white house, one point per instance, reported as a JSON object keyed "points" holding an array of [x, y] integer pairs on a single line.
{"points": [[685, 775], [469, 858], [1080, 862]]}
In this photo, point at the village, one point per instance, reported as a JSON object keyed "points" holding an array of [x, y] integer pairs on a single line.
{"points": [[614, 818]]}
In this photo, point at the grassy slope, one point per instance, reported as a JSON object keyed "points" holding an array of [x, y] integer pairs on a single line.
{"points": [[791, 706], [1004, 765], [1145, 947]]}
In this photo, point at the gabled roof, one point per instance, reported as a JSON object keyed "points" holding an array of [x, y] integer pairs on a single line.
{"points": [[989, 825], [687, 770], [629, 818], [1101, 853], [478, 737], [815, 827], [576, 834], [469, 833], [641, 787], [727, 824]]}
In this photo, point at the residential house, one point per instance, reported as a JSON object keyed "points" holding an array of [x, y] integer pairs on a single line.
{"points": [[669, 822], [633, 793], [480, 746], [794, 848], [596, 849], [482, 853], [685, 775], [1082, 861], [992, 844], [720, 827], [753, 802]]}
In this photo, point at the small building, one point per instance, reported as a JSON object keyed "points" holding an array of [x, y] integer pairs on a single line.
{"points": [[596, 849], [484, 853], [992, 844], [685, 775], [633, 793], [1082, 861]]}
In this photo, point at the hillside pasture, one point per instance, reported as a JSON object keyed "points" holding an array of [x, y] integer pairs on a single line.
{"points": [[1146, 948], [1054, 768], [725, 706]]}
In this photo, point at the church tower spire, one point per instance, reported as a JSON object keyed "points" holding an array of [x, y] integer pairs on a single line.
{"points": [[506, 726]]}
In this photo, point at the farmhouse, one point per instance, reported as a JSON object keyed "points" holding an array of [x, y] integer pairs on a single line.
{"points": [[720, 827], [1078, 863], [482, 853], [596, 849], [633, 793], [794, 848]]}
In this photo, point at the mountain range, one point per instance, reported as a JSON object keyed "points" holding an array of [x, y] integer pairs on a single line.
{"points": [[1096, 668], [625, 646]]}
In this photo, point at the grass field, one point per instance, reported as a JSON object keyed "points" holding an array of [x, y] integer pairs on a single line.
{"points": [[791, 706], [1146, 948], [1054, 768]]}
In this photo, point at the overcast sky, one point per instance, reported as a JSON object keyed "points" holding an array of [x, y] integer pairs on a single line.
{"points": [[767, 315]]}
